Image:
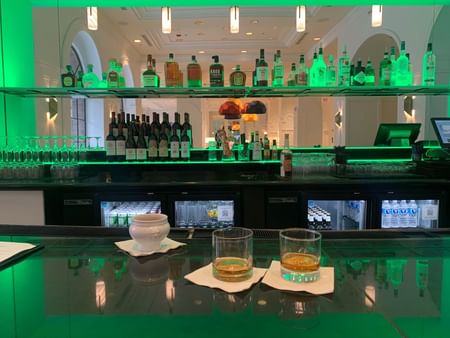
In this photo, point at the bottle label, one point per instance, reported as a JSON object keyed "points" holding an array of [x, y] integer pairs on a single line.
{"points": [[150, 80], [238, 79], [256, 153], [120, 148], [185, 149], [194, 73], [386, 74], [110, 148], [216, 77], [113, 80], [262, 73], [279, 71], [153, 149], [67, 81], [115, 132], [163, 149], [360, 78], [175, 149], [141, 154], [130, 154]]}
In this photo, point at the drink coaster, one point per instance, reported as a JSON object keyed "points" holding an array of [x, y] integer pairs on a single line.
{"points": [[204, 277], [131, 247], [322, 286]]}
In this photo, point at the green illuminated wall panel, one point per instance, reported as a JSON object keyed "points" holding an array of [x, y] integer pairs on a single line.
{"points": [[7, 329]]}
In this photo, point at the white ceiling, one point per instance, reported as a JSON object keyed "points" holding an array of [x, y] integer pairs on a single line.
{"points": [[207, 29]]}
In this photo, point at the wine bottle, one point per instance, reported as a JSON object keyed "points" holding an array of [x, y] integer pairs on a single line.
{"points": [[174, 146], [127, 126], [153, 145], [286, 158], [187, 127], [154, 126], [165, 125], [110, 145], [141, 147], [163, 146], [262, 71], [120, 145], [176, 126], [130, 146], [185, 146], [113, 124]]}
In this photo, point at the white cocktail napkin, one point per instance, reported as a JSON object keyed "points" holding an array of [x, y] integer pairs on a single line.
{"points": [[322, 286], [131, 247], [204, 277], [10, 249]]}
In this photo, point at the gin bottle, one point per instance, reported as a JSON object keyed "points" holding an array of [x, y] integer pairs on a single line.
{"points": [[331, 72], [344, 69], [429, 67], [278, 71]]}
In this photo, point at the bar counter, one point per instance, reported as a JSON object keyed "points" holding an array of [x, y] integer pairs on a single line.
{"points": [[83, 286]]}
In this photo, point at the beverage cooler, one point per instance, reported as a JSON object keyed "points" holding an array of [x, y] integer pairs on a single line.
{"points": [[209, 211], [336, 212], [410, 210]]}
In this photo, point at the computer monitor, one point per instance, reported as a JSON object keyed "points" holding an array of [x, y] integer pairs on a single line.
{"points": [[397, 134], [441, 127]]}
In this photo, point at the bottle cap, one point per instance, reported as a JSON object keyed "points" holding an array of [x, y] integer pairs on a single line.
{"points": [[216, 58]]}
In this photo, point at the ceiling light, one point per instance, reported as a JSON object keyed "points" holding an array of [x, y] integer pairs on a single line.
{"points": [[249, 33], [92, 19], [316, 39], [166, 20], [234, 19], [301, 19], [137, 40], [377, 15], [243, 51], [201, 52], [255, 21]]}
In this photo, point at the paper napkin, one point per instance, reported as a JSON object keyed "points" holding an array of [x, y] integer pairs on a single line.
{"points": [[10, 249], [131, 247], [204, 277], [324, 285]]}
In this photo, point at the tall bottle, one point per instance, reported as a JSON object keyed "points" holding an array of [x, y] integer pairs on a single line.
{"points": [[155, 126], [266, 147], [385, 70], [163, 148], [194, 73], [370, 74], [393, 67], [321, 70], [256, 148], [216, 73], [313, 71], [110, 145], [120, 144], [402, 67], [141, 146], [278, 71], [156, 72], [176, 126], [90, 79], [186, 127], [302, 72], [254, 73], [185, 151], [153, 145], [344, 69], [262, 71], [68, 79], [171, 72], [165, 125], [113, 76], [286, 159], [429, 67], [149, 77], [331, 72], [113, 124], [174, 146], [292, 78], [274, 150], [238, 77], [130, 146], [119, 69]]}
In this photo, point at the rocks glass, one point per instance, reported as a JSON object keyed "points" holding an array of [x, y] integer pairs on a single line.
{"points": [[232, 254]]}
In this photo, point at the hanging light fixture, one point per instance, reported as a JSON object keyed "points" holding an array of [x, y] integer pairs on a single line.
{"points": [[92, 19], [234, 19], [166, 18], [377, 15], [301, 19]]}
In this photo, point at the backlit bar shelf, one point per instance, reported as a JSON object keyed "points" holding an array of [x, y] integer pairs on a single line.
{"points": [[223, 92]]}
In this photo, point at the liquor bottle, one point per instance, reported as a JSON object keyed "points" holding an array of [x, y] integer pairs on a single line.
{"points": [[262, 71], [254, 73], [393, 67], [187, 127], [165, 125], [158, 79], [141, 146], [149, 76], [272, 73], [153, 144], [429, 67], [402, 67], [256, 149], [359, 77], [119, 70], [410, 71], [130, 146], [344, 69], [237, 78], [302, 72], [321, 70], [110, 145], [90, 79], [370, 74], [274, 150], [286, 159], [331, 72], [278, 71], [68, 79], [104, 81], [292, 79], [185, 146], [171, 72], [154, 126], [163, 146], [194, 73], [176, 126], [216, 73], [120, 145], [80, 79], [250, 146], [266, 147], [113, 76], [313, 71], [113, 124], [385, 70]]}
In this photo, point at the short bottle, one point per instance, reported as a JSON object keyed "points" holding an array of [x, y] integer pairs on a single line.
{"points": [[238, 77], [194, 73], [216, 73], [286, 159], [90, 79], [113, 76], [429, 67], [149, 77], [68, 79]]}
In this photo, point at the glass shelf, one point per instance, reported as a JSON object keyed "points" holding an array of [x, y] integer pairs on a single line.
{"points": [[225, 92]]}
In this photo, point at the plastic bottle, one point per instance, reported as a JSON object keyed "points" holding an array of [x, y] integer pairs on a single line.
{"points": [[412, 214], [386, 214], [395, 214], [403, 217]]}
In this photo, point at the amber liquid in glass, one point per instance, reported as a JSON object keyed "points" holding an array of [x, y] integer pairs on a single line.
{"points": [[300, 262], [232, 269]]}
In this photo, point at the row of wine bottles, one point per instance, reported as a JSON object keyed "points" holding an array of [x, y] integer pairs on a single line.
{"points": [[137, 139]]}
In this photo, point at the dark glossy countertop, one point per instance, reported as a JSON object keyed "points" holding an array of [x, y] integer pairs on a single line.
{"points": [[85, 287]]}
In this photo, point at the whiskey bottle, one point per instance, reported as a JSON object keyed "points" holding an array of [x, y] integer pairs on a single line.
{"points": [[194, 73], [68, 79], [90, 79], [171, 72], [113, 76], [262, 71], [149, 76], [216, 73], [237, 78]]}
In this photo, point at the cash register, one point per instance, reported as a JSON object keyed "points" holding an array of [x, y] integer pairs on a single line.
{"points": [[441, 127]]}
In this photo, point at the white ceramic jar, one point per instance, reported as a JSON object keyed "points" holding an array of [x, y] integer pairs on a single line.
{"points": [[148, 230]]}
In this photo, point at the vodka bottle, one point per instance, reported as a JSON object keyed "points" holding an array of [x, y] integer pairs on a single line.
{"points": [[313, 72], [278, 71], [429, 67]]}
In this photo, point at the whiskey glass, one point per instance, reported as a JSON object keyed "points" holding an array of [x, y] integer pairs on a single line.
{"points": [[232, 254], [300, 251]]}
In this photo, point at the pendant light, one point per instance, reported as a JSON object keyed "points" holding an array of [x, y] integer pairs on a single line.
{"points": [[301, 19], [92, 19], [234, 19], [377, 15], [166, 18]]}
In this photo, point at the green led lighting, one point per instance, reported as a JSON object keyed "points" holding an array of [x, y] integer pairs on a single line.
{"points": [[175, 163], [381, 160]]}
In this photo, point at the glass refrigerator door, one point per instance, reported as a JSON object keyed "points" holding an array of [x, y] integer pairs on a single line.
{"points": [[121, 213], [337, 214], [409, 213], [204, 214]]}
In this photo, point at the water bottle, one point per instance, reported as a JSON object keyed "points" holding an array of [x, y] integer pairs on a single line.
{"points": [[403, 217], [386, 214], [395, 214], [412, 213]]}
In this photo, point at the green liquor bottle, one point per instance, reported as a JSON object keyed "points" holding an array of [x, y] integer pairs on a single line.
{"points": [[321, 70], [385, 70], [402, 67], [331, 72], [344, 69], [90, 79], [68, 79], [359, 77], [370, 74], [429, 67]]}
